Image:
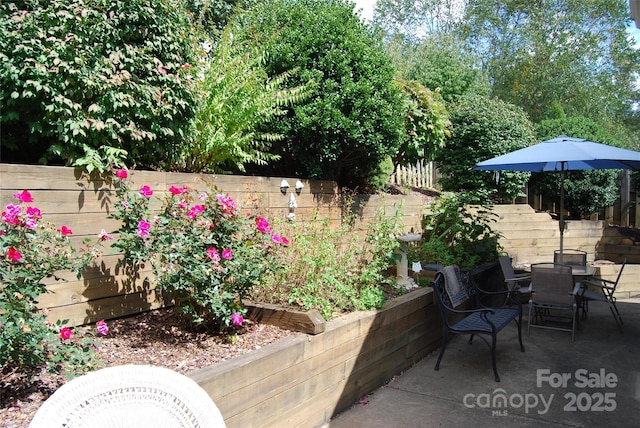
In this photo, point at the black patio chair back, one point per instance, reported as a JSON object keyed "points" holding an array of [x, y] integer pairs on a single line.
{"points": [[570, 257], [459, 301], [515, 281]]}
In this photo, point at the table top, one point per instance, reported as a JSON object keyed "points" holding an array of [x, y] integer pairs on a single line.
{"points": [[576, 270], [583, 270]]}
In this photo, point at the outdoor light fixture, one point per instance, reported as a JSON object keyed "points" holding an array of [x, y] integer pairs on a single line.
{"points": [[292, 202], [299, 186], [284, 185]]}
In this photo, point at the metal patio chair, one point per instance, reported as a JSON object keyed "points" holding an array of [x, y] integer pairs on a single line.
{"points": [[570, 257], [601, 290], [459, 303], [552, 293], [520, 282]]}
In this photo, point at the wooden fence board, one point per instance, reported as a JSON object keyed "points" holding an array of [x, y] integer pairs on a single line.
{"points": [[113, 307], [82, 203]]}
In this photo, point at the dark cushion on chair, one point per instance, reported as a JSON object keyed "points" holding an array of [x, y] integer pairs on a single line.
{"points": [[498, 317]]}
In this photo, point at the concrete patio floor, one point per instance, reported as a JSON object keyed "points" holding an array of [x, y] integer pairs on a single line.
{"points": [[591, 382]]}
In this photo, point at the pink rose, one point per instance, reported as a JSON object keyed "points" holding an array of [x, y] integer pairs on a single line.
{"points": [[122, 174], [227, 254], [213, 254], [65, 230], [237, 319], [228, 205], [195, 210], [279, 239], [143, 228], [263, 225], [24, 196], [65, 333], [33, 212], [146, 191], [178, 190], [13, 254], [11, 214], [104, 236], [102, 327]]}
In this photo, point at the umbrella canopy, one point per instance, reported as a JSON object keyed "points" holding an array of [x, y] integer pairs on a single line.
{"points": [[566, 153], [563, 154]]}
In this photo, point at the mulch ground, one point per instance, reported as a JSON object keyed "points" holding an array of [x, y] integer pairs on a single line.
{"points": [[156, 338]]}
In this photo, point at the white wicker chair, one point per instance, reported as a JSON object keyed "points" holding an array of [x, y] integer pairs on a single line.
{"points": [[129, 396]]}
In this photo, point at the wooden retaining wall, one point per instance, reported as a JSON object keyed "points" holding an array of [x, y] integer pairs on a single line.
{"points": [[67, 196], [303, 381], [529, 237]]}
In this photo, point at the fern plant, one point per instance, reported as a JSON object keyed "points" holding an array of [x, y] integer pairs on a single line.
{"points": [[237, 97]]}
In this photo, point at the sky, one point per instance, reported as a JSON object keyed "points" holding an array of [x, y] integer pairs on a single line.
{"points": [[367, 8], [368, 5]]}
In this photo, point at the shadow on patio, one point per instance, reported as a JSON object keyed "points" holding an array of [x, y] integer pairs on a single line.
{"points": [[594, 381]]}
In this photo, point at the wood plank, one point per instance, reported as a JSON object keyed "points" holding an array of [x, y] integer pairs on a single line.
{"points": [[311, 376], [310, 322], [109, 308]]}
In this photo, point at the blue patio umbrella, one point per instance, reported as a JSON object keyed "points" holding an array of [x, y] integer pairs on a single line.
{"points": [[563, 154]]}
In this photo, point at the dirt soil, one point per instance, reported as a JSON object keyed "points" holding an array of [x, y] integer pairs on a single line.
{"points": [[154, 338]]}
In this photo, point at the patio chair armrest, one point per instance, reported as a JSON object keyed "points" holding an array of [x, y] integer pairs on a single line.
{"points": [[519, 278], [497, 292], [600, 283], [468, 311]]}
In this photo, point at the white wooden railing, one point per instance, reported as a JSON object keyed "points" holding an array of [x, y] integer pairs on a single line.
{"points": [[422, 175]]}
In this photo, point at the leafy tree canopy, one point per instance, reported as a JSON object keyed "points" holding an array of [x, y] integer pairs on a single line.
{"points": [[78, 74], [571, 53], [427, 123], [441, 62], [415, 19], [484, 127], [214, 15], [354, 118]]}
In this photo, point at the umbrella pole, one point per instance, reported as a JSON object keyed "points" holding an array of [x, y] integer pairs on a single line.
{"points": [[561, 222]]}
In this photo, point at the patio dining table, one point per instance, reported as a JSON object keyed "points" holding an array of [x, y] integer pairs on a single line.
{"points": [[582, 272], [578, 272]]}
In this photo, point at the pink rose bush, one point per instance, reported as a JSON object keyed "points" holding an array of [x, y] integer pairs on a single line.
{"points": [[202, 253], [31, 251]]}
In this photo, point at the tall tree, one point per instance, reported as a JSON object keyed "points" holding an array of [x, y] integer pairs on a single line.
{"points": [[354, 118], [572, 56], [440, 62], [417, 18]]}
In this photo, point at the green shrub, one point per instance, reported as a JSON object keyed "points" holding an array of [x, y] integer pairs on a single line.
{"points": [[32, 250], [457, 233], [204, 253], [484, 127], [333, 270], [354, 118], [92, 73]]}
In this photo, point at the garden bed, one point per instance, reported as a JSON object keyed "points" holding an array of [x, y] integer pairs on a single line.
{"points": [[265, 375], [305, 380], [156, 337]]}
